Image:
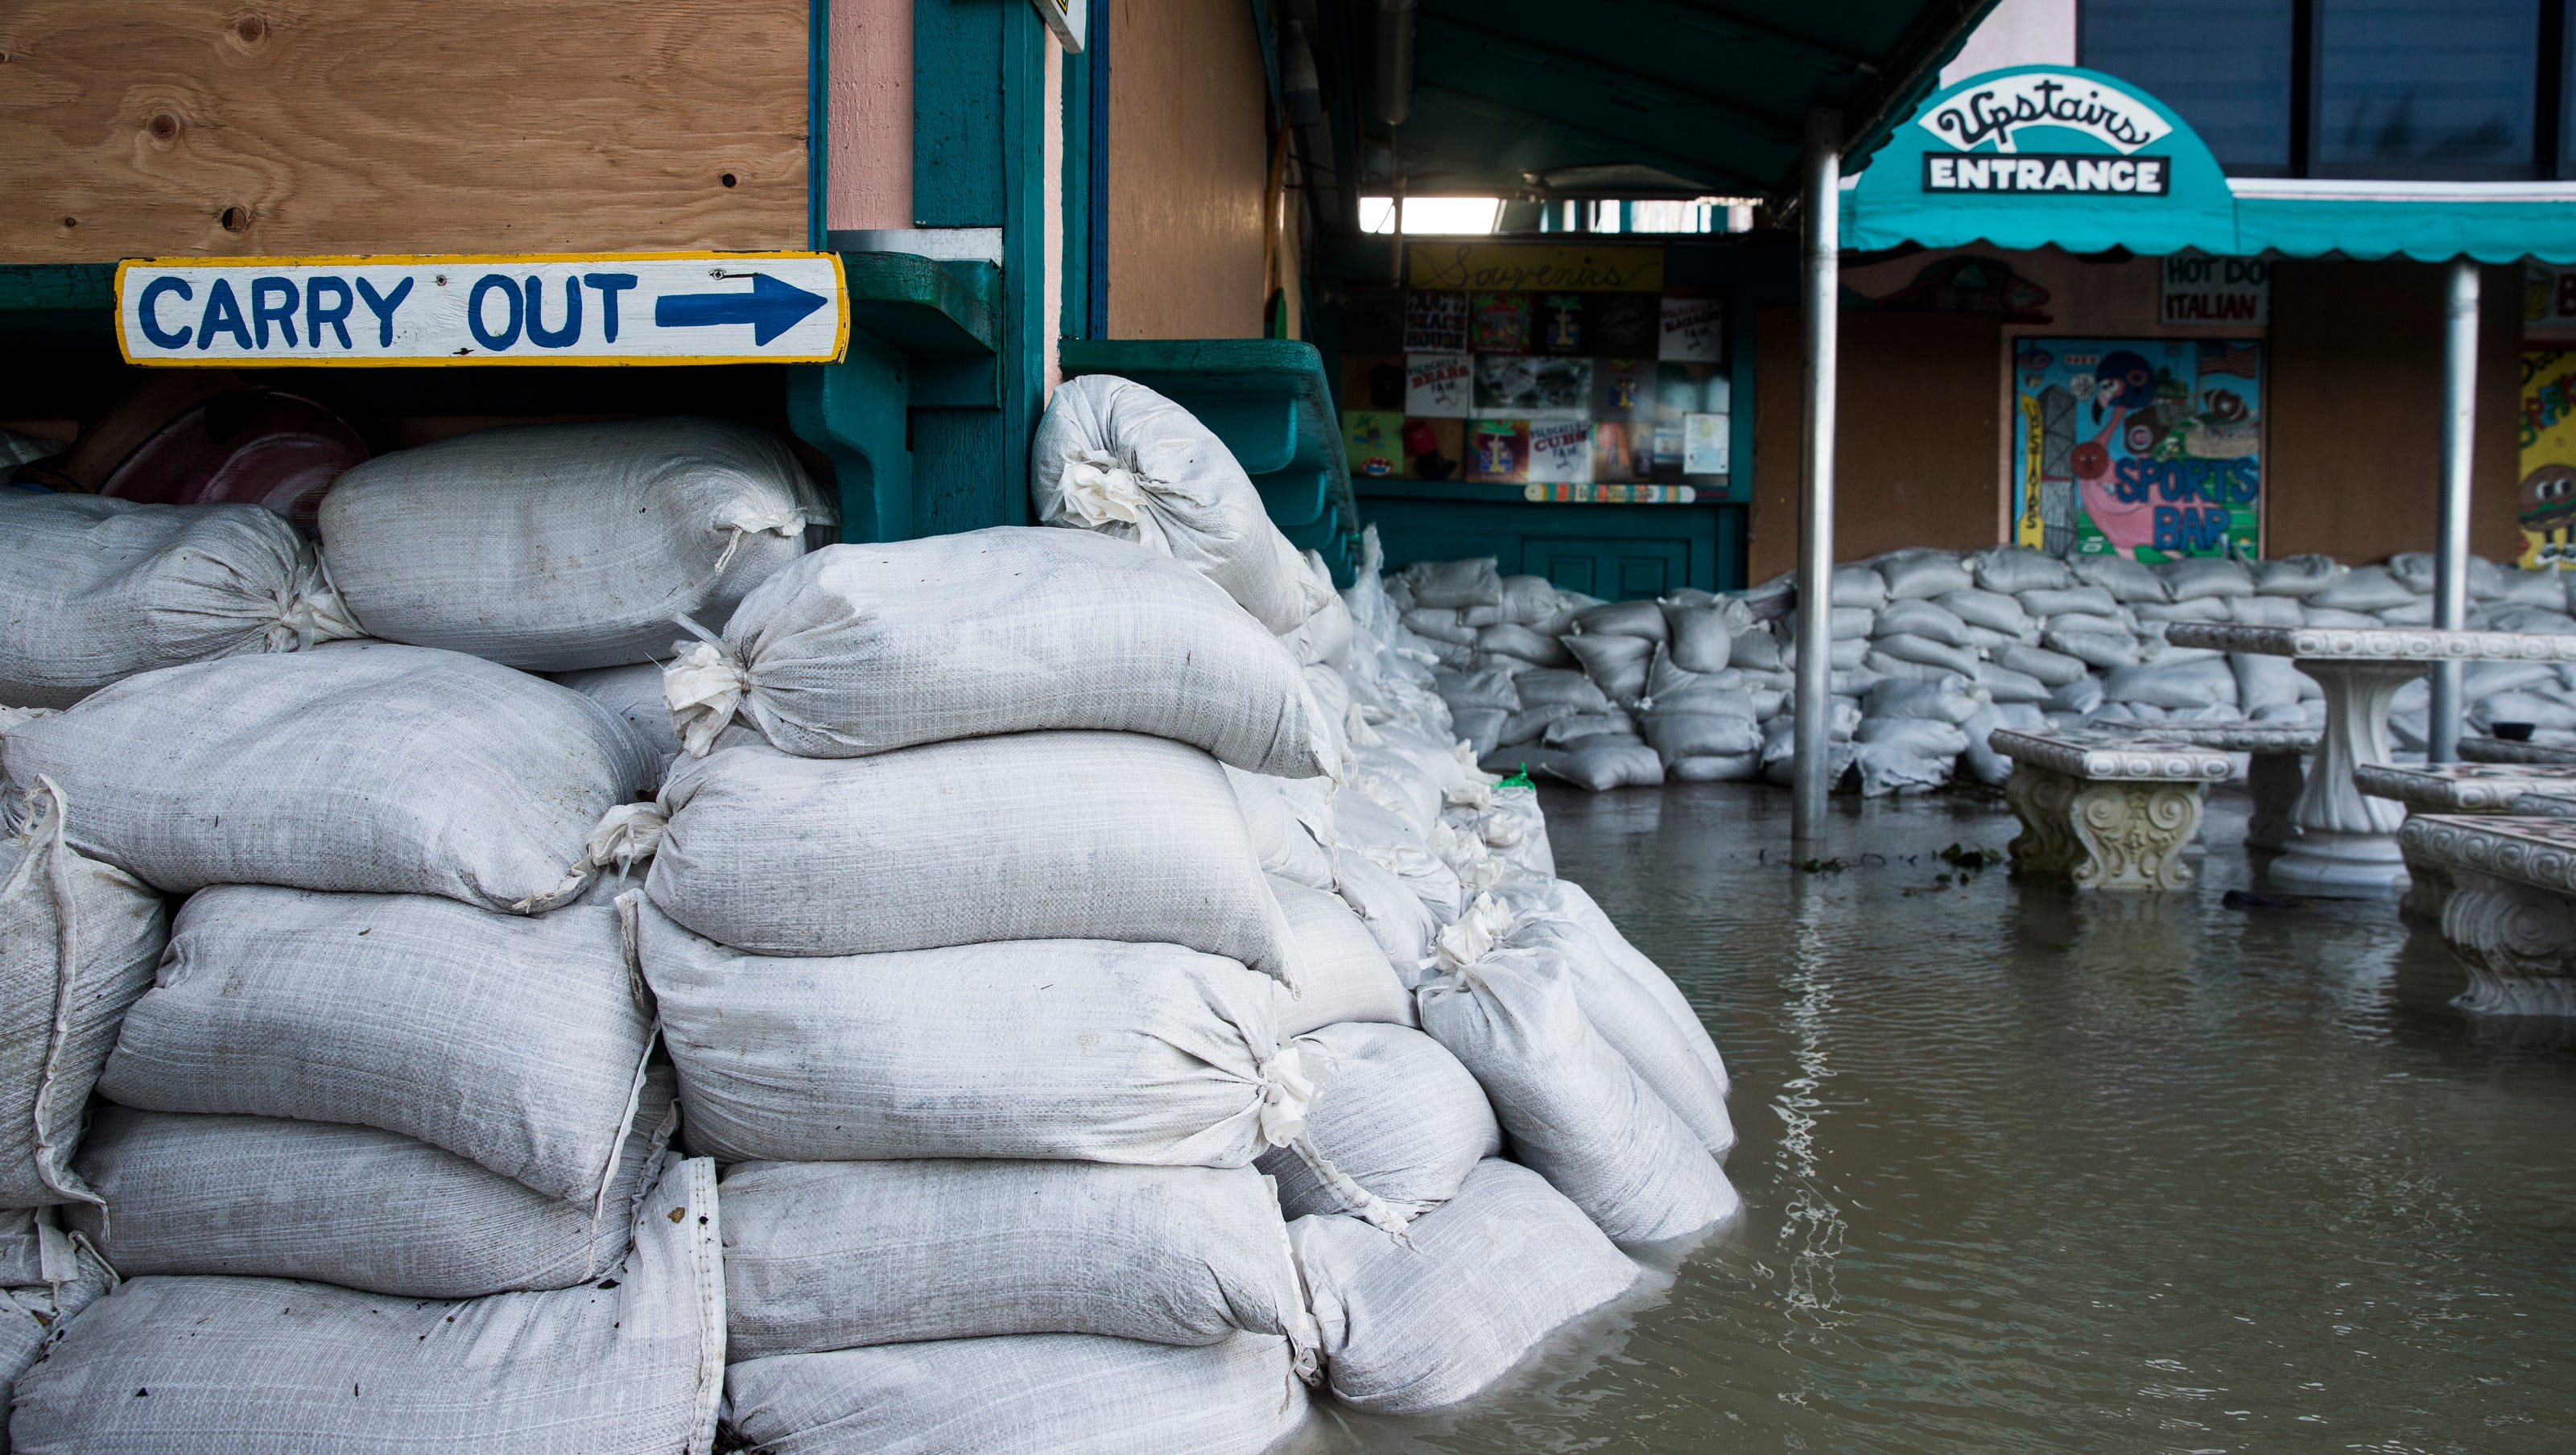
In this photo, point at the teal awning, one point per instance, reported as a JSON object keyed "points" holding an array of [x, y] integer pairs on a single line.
{"points": [[2041, 156]]}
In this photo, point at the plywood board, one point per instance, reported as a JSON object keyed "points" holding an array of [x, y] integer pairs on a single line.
{"points": [[265, 127]]}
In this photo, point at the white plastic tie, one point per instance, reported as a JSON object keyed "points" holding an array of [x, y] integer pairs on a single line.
{"points": [[703, 687], [1098, 490], [311, 611], [1473, 937], [1287, 1096], [626, 836]]}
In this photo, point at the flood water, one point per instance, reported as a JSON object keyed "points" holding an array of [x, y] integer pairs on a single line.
{"points": [[2032, 1171]]}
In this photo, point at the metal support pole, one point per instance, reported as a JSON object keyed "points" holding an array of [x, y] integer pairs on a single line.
{"points": [[1810, 774], [2451, 562]]}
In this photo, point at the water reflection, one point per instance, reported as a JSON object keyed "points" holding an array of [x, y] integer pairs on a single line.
{"points": [[2048, 1171]]}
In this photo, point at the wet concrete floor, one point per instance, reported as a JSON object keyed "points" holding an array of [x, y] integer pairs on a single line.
{"points": [[2032, 1171]]}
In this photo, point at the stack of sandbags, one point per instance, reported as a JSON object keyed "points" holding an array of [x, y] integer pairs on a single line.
{"points": [[390, 1056], [963, 949], [94, 590]]}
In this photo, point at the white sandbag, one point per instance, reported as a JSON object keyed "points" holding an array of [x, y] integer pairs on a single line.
{"points": [[2264, 680], [2205, 683], [1109, 836], [1572, 689], [1473, 582], [79, 941], [1472, 1288], [1897, 755], [1635, 1008], [1601, 766], [1624, 619], [1042, 1394], [1992, 610], [1370, 831], [2191, 578], [2091, 600], [2297, 576], [2542, 589], [2418, 612], [1114, 456], [1439, 624], [2013, 570], [634, 693], [366, 767], [1948, 699], [2485, 679], [1921, 618], [2531, 707], [94, 590], [1980, 762], [1328, 637], [2365, 588], [1510, 639], [1087, 1050], [2003, 684], [2099, 650], [1616, 664], [1756, 649], [630, 1365], [1530, 723], [1586, 727], [2267, 611], [1289, 848], [1846, 622], [1922, 573], [1489, 687], [2550, 620], [1922, 651], [1857, 586], [1395, 916], [1703, 638], [1676, 736], [49, 1280], [2088, 623], [556, 546], [1394, 1126], [2056, 669], [1779, 757], [354, 1206], [2418, 570], [404, 1012], [839, 1255], [857, 650], [1574, 1110], [2124, 578], [2079, 696], [1528, 600], [2199, 608], [1348, 975]]}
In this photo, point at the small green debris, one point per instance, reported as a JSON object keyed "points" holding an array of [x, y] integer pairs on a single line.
{"points": [[1969, 861], [1520, 779], [1820, 866]]}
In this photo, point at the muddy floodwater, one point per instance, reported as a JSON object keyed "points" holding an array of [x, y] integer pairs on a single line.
{"points": [[2032, 1171]]}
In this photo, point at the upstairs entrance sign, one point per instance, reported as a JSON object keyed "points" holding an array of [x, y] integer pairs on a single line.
{"points": [[652, 308]]}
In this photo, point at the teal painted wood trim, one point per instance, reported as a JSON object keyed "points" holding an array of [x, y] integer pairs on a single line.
{"points": [[1608, 550], [1074, 281], [925, 307], [57, 287], [957, 128], [818, 125], [854, 411]]}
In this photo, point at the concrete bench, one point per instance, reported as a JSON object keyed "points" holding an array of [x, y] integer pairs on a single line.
{"points": [[2454, 788], [2274, 772], [2504, 750], [2511, 914], [2107, 810]]}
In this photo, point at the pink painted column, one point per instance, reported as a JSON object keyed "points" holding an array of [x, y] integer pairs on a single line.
{"points": [[869, 167]]}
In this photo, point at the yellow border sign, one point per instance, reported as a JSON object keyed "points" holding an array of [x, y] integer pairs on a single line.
{"points": [[536, 308], [1514, 267]]}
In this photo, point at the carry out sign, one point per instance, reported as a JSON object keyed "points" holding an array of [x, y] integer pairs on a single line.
{"points": [[634, 308]]}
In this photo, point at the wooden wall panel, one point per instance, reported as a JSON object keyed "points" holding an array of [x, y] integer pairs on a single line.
{"points": [[1188, 162], [245, 127], [1915, 444]]}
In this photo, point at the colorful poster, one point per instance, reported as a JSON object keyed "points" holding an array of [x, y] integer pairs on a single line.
{"points": [[1498, 451], [1531, 386], [1373, 441], [2146, 448], [1623, 450], [2546, 509], [1626, 325], [1435, 322], [1623, 389], [1439, 386], [1499, 323], [1564, 323], [1560, 451], [1694, 331], [1704, 444]]}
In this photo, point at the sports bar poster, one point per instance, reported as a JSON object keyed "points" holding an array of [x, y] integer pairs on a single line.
{"points": [[2145, 448]]}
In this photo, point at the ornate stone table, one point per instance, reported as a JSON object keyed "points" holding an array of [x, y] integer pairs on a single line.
{"points": [[2498, 750], [2511, 916], [2345, 839], [2272, 773], [2455, 788], [2106, 809]]}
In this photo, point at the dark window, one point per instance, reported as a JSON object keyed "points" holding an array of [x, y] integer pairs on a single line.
{"points": [[2223, 65], [2408, 89], [2467, 90]]}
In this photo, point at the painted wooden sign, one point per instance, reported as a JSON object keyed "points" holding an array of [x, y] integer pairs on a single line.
{"points": [[635, 308]]}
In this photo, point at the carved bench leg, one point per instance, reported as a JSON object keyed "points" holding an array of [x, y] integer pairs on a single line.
{"points": [[2518, 943], [2108, 835], [2428, 887], [2042, 799], [2276, 780]]}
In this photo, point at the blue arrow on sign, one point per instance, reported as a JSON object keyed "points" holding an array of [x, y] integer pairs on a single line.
{"points": [[772, 307]]}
